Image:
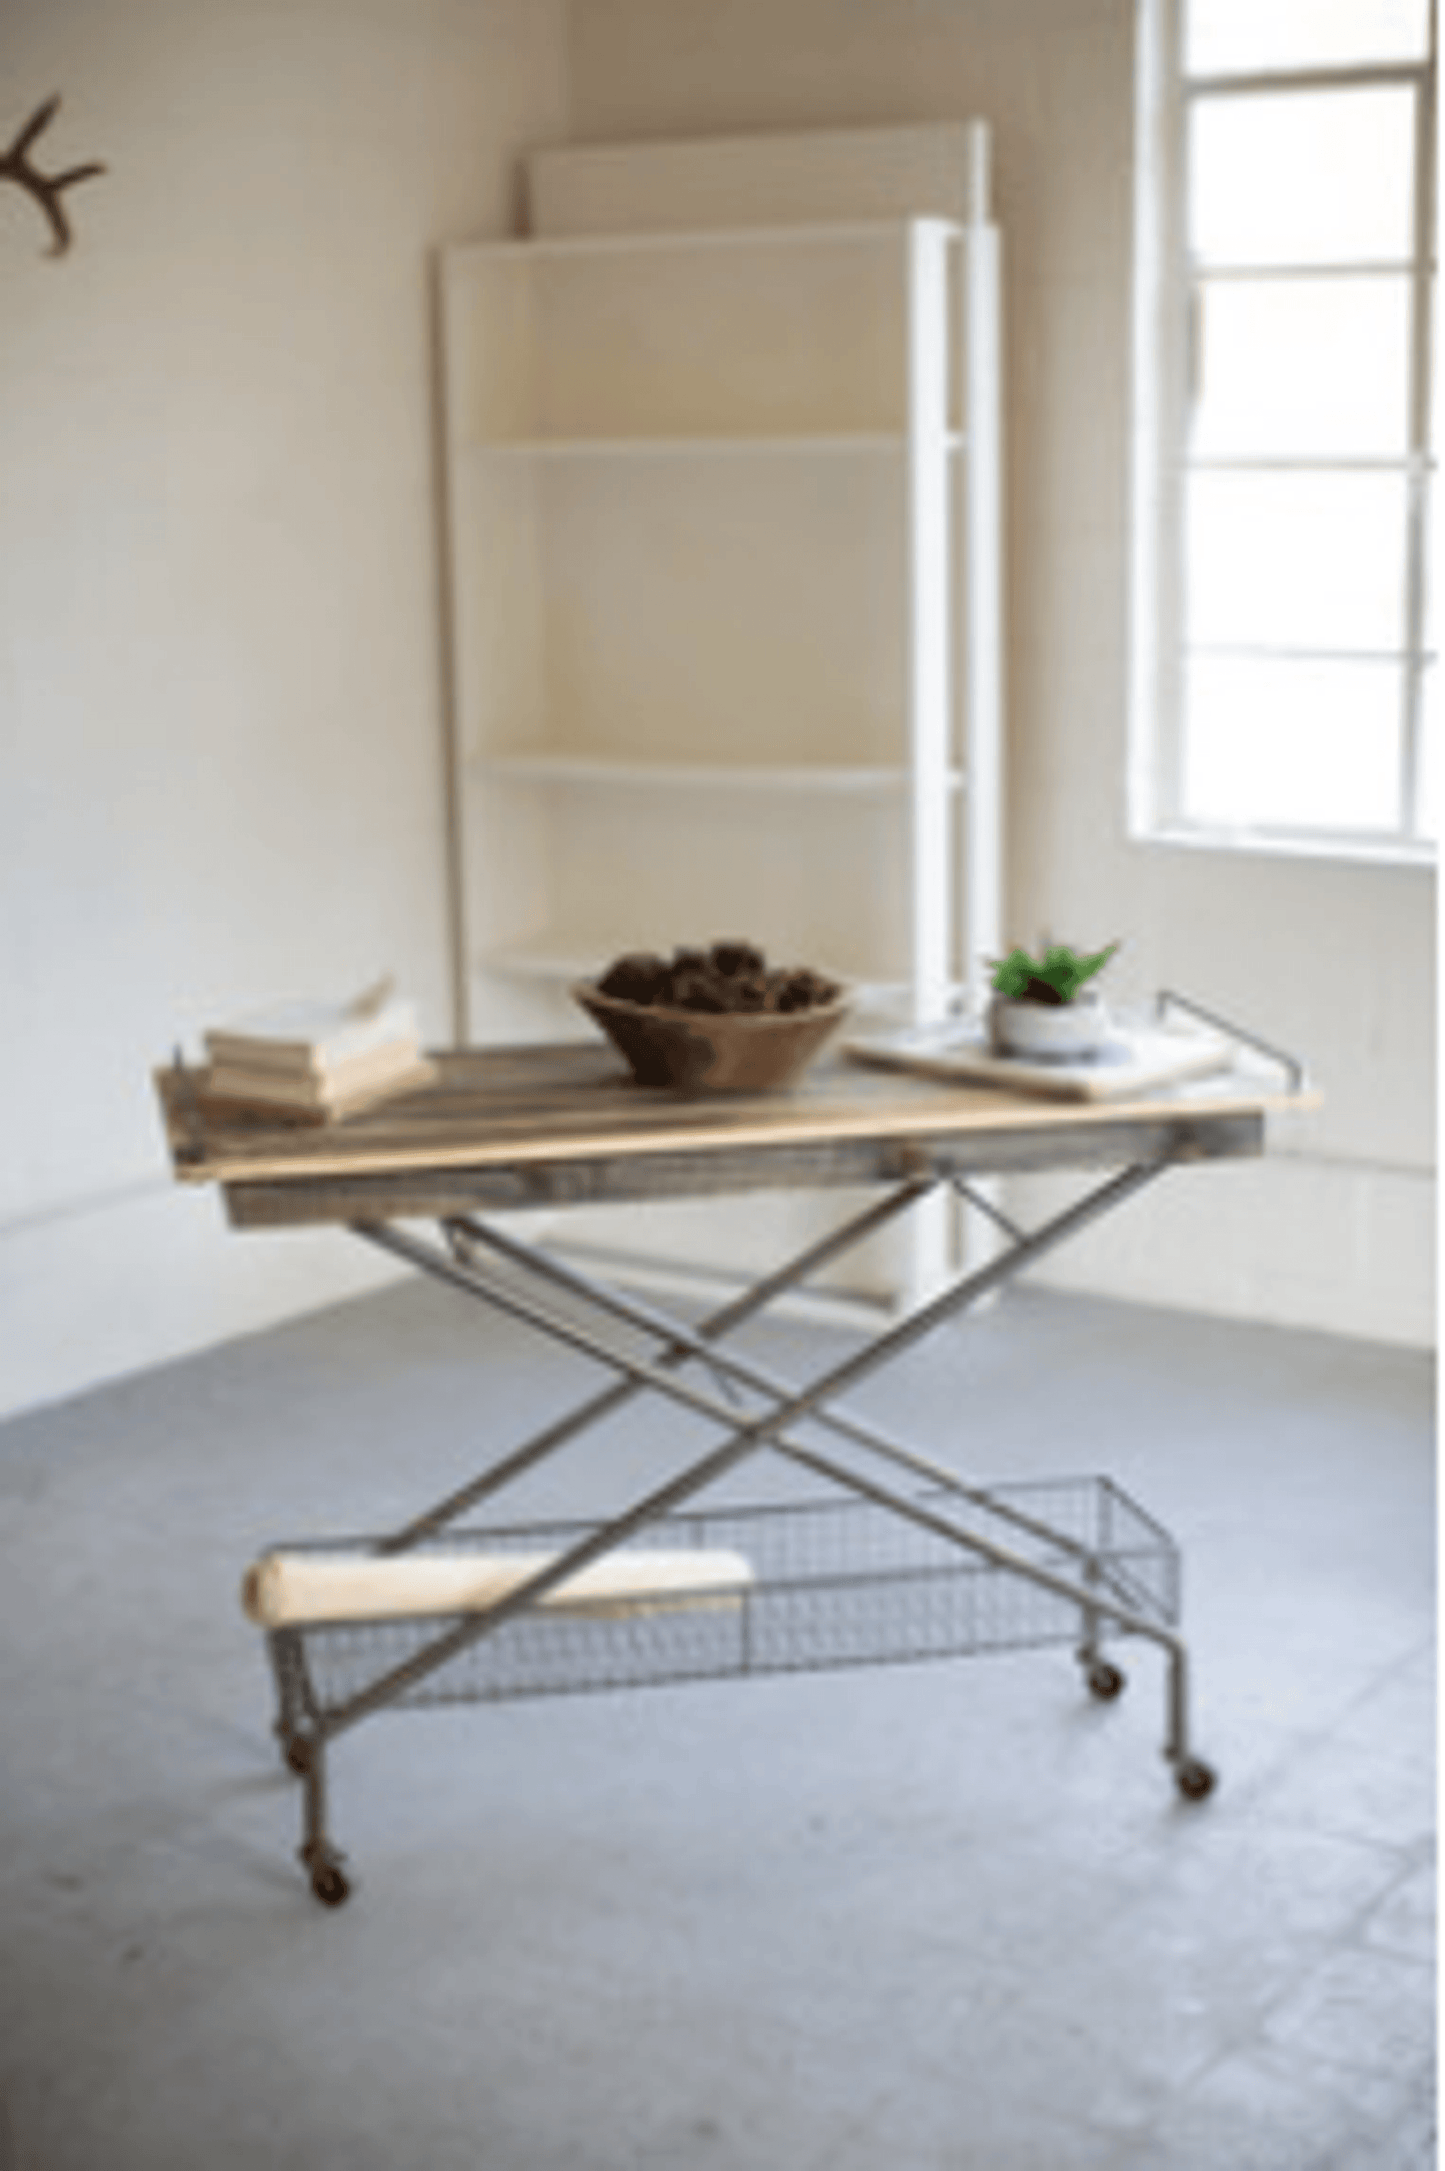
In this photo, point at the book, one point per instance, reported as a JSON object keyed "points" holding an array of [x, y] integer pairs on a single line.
{"points": [[374, 1066], [311, 1038], [345, 1088], [1134, 1059]]}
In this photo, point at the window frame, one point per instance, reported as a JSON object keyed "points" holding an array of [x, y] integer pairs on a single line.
{"points": [[1164, 332]]}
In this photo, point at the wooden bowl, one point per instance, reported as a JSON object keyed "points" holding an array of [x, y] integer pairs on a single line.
{"points": [[696, 1051]]}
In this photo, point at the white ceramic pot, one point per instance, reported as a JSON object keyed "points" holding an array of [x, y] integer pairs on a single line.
{"points": [[1048, 1032]]}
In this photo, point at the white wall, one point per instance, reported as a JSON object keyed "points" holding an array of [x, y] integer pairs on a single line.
{"points": [[220, 712], [1337, 1229], [220, 715]]}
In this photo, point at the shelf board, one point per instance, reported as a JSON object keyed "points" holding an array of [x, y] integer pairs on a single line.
{"points": [[830, 444], [660, 241], [560, 959], [815, 779]]}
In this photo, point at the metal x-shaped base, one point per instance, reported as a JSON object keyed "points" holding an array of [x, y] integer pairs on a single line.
{"points": [[754, 1409]]}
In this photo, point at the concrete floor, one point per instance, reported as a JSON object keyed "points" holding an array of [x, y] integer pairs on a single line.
{"points": [[949, 1915]]}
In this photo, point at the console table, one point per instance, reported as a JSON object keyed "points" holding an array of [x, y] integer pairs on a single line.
{"points": [[903, 1559]]}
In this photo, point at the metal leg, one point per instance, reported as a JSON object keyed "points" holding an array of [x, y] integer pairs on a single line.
{"points": [[805, 1403], [301, 1731], [767, 1428], [1105, 1680], [307, 1731], [320, 1857], [754, 1376], [295, 1708], [1194, 1778], [613, 1398]]}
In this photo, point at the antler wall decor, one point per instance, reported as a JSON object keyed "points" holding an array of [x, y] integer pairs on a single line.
{"points": [[44, 187]]}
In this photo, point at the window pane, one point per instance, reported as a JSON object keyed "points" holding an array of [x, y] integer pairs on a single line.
{"points": [[1311, 366], [1304, 177], [1427, 792], [1292, 745], [1296, 561], [1221, 35]]}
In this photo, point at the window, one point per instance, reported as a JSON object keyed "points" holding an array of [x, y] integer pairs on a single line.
{"points": [[1285, 687]]}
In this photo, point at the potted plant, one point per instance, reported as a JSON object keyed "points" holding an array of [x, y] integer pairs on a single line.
{"points": [[1044, 1009]]}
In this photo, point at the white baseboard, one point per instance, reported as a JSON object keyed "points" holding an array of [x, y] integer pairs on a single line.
{"points": [[97, 1290], [1336, 1247]]}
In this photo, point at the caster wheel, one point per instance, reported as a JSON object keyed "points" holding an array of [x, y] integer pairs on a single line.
{"points": [[1105, 1680], [329, 1884], [1194, 1780]]}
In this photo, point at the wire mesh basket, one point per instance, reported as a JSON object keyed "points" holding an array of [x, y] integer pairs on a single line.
{"points": [[827, 1583]]}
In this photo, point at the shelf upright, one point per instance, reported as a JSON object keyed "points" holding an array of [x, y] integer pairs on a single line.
{"points": [[929, 688], [980, 612], [930, 654], [981, 568]]}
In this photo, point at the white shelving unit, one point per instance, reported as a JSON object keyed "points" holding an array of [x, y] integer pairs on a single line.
{"points": [[723, 511]]}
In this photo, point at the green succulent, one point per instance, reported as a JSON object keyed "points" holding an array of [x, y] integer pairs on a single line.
{"points": [[1055, 978]]}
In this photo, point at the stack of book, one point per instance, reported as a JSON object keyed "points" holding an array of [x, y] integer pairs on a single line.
{"points": [[314, 1061]]}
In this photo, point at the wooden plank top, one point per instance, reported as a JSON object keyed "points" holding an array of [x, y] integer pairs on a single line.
{"points": [[494, 1108]]}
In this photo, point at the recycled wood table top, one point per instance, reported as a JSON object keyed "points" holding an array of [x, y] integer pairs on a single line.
{"points": [[527, 1126]]}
